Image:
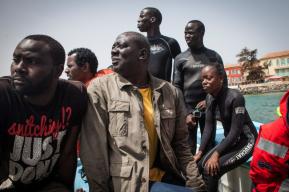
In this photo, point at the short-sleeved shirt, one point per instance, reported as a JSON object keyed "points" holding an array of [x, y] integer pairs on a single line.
{"points": [[163, 50], [32, 137]]}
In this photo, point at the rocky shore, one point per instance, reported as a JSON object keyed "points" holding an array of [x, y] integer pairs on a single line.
{"points": [[278, 86]]}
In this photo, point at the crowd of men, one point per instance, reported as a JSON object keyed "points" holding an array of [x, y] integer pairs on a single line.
{"points": [[134, 124]]}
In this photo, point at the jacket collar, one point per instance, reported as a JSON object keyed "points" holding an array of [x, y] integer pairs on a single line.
{"points": [[155, 83], [122, 82], [221, 93]]}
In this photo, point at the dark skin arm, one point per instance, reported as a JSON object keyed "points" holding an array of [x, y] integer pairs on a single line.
{"points": [[190, 119], [67, 161], [201, 105], [207, 130], [212, 166], [198, 156]]}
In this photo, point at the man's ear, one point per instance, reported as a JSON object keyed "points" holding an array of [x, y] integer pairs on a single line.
{"points": [[85, 67], [222, 80], [143, 54], [59, 69], [153, 19]]}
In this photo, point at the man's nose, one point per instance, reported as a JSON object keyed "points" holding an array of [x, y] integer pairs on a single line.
{"points": [[66, 70], [189, 35], [20, 66], [114, 51]]}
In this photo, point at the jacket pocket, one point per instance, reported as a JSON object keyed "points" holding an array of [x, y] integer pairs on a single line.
{"points": [[118, 117], [121, 174], [168, 119], [167, 113], [120, 170]]}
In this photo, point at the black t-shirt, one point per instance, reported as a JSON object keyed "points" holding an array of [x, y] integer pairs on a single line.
{"points": [[187, 73], [163, 49], [32, 137]]}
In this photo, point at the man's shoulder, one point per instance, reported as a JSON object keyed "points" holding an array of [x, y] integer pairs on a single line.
{"points": [[5, 79], [184, 55], [104, 83], [6, 90], [171, 41], [211, 52], [103, 79], [163, 85], [168, 38], [72, 93], [5, 82], [71, 86]]}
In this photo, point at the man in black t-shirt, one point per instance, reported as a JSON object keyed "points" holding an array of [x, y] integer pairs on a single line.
{"points": [[163, 49], [187, 76], [40, 119]]}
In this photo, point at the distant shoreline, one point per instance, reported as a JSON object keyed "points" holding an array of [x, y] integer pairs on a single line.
{"points": [[269, 87], [263, 93]]}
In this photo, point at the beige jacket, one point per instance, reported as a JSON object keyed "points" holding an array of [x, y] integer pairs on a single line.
{"points": [[114, 141]]}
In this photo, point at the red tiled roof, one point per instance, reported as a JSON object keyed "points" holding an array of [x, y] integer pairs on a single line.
{"points": [[231, 65], [275, 54]]}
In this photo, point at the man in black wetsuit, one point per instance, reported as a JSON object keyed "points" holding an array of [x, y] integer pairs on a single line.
{"points": [[188, 66], [163, 49]]}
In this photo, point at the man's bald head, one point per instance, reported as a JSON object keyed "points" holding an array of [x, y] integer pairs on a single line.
{"points": [[130, 54], [140, 40]]}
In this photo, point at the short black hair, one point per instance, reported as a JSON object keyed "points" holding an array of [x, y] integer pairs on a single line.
{"points": [[156, 13], [84, 55], [201, 26], [56, 49]]}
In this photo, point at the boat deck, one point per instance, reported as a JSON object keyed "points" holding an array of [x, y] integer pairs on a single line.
{"points": [[236, 180]]}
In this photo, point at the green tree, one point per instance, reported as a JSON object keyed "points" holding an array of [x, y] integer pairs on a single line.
{"points": [[250, 65]]}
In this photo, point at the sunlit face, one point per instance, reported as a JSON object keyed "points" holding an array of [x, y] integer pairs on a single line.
{"points": [[32, 69], [211, 80], [73, 71], [193, 36], [124, 55], [143, 22]]}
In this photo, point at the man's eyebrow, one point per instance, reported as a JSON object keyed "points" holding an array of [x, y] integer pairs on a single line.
{"points": [[16, 54]]}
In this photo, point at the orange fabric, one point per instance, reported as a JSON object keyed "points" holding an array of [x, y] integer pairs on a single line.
{"points": [[103, 72], [100, 73]]}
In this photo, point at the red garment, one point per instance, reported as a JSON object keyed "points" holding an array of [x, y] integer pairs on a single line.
{"points": [[103, 72], [100, 73], [269, 166]]}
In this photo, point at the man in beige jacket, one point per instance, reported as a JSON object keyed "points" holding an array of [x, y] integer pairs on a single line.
{"points": [[134, 136]]}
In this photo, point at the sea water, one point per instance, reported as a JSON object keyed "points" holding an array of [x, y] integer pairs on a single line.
{"points": [[262, 107]]}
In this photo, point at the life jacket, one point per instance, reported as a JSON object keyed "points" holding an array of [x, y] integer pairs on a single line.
{"points": [[269, 166]]}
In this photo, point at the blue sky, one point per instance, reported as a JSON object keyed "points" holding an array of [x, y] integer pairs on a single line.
{"points": [[230, 24]]}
